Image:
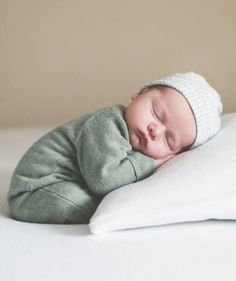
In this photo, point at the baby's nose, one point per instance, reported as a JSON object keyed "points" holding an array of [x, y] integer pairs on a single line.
{"points": [[155, 130]]}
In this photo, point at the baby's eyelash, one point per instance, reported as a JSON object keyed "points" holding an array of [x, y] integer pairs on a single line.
{"points": [[156, 113], [169, 142]]}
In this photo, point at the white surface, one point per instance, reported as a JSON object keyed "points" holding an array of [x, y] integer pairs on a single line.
{"points": [[191, 251], [194, 186]]}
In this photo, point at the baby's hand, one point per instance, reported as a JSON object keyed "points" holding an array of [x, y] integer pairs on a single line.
{"points": [[160, 161]]}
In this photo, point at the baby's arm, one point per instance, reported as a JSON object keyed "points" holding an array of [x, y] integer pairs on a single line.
{"points": [[105, 156]]}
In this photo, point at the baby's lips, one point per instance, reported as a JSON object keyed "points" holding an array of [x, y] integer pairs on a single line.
{"points": [[143, 137]]}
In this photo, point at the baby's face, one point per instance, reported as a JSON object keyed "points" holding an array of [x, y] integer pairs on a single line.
{"points": [[160, 122]]}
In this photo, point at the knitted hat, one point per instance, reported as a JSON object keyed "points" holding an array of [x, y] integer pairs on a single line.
{"points": [[203, 99]]}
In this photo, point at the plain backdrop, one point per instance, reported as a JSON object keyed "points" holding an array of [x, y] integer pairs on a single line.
{"points": [[62, 58]]}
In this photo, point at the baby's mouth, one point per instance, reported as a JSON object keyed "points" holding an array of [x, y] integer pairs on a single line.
{"points": [[142, 138]]}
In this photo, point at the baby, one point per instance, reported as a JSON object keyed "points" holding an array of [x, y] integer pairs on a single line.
{"points": [[65, 174]]}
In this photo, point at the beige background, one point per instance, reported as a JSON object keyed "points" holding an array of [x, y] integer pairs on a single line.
{"points": [[62, 58]]}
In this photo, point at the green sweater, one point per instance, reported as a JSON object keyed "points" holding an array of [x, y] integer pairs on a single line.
{"points": [[94, 147]]}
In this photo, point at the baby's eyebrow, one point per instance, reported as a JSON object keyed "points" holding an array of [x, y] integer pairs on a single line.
{"points": [[162, 110]]}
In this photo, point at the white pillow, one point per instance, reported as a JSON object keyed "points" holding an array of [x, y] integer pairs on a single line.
{"points": [[195, 185]]}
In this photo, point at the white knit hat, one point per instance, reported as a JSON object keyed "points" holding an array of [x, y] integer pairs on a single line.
{"points": [[203, 99]]}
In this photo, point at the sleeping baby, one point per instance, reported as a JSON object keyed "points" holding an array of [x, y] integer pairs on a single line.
{"points": [[64, 175]]}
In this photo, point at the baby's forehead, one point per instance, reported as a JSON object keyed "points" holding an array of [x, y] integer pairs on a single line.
{"points": [[163, 93], [168, 100], [153, 87]]}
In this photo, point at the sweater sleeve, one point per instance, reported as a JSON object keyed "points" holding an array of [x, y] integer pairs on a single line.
{"points": [[105, 156]]}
